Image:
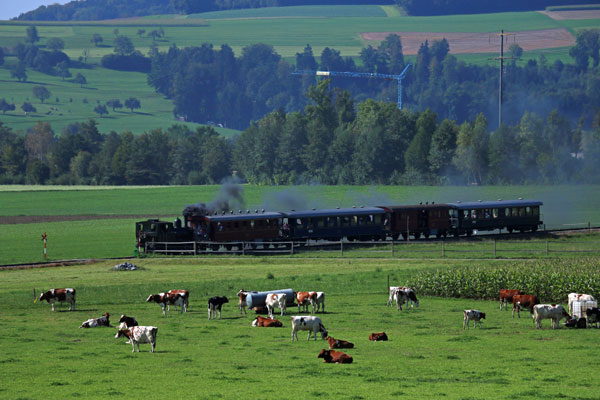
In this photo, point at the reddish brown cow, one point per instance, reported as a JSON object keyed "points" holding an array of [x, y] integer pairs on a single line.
{"points": [[242, 300], [506, 296], [336, 357], [304, 299], [378, 336], [267, 322], [525, 301], [339, 344]]}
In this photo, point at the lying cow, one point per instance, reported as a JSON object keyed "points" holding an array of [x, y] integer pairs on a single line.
{"points": [[378, 337], [127, 322], [506, 296], [310, 324], [164, 300], [339, 344], [96, 322], [214, 304], [278, 300], [267, 322], [139, 334], [335, 357], [573, 297], [593, 316], [577, 323], [554, 312], [472, 315], [524, 301], [66, 295]]}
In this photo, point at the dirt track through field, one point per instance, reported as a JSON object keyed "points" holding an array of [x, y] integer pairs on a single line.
{"points": [[463, 42], [35, 219]]}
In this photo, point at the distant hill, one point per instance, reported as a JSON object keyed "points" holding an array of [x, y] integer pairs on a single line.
{"points": [[449, 7], [94, 10]]}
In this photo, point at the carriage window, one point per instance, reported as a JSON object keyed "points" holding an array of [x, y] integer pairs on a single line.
{"points": [[474, 214], [346, 221], [377, 219], [536, 211], [252, 224], [515, 212], [507, 212], [521, 212], [466, 214], [321, 222], [329, 221], [494, 212], [528, 210]]}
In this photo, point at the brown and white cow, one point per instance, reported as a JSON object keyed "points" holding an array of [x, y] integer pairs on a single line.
{"points": [[524, 301], [578, 297], [378, 337], [278, 300], [185, 297], [401, 295], [65, 295], [339, 344], [335, 357], [242, 300], [139, 334], [554, 312], [164, 300], [472, 315], [266, 322], [96, 322], [318, 302], [303, 299], [506, 296]]}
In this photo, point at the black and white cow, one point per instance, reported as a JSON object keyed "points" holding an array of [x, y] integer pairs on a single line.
{"points": [[593, 316], [96, 322], [214, 304], [472, 315], [65, 295]]}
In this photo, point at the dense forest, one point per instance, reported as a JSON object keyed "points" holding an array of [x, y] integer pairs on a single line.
{"points": [[332, 141], [208, 84], [90, 10]]}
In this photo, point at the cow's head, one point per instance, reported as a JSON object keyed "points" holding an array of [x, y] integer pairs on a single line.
{"points": [[152, 297], [324, 353], [323, 331], [482, 315], [46, 296], [225, 299], [255, 322], [106, 314]]}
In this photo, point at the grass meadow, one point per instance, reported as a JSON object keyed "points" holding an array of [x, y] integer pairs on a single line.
{"points": [[288, 29], [428, 355], [115, 237]]}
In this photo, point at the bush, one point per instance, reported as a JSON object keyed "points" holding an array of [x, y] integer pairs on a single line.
{"points": [[550, 280], [135, 62]]}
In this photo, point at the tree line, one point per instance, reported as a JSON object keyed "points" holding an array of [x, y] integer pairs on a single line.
{"points": [[208, 84], [331, 141]]}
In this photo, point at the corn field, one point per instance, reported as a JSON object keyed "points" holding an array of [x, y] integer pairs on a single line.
{"points": [[550, 280]]}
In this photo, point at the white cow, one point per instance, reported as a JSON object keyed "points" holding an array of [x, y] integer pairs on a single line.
{"points": [[96, 322], [278, 300], [139, 334], [578, 297], [310, 324], [555, 312], [401, 295], [472, 315]]}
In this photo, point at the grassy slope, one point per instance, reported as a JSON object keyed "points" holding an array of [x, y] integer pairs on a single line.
{"points": [[116, 237], [288, 35], [428, 355]]}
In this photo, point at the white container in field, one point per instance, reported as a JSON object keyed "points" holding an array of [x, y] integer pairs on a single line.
{"points": [[579, 307]]}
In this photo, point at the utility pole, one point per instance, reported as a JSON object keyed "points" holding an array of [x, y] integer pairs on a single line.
{"points": [[500, 81]]}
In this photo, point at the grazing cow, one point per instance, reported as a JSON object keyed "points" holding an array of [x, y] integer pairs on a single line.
{"points": [[304, 298], [319, 301], [127, 322], [593, 316], [506, 296], [378, 337], [66, 295], [472, 315], [139, 334], [525, 301], [339, 344], [554, 312], [578, 297], [214, 304], [406, 294], [242, 300], [310, 324], [267, 322], [185, 299], [164, 300], [96, 322], [577, 323], [335, 357], [276, 300]]}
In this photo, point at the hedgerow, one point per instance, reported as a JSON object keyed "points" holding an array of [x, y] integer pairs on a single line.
{"points": [[550, 280]]}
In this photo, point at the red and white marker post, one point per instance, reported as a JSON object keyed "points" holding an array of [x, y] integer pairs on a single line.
{"points": [[44, 239]]}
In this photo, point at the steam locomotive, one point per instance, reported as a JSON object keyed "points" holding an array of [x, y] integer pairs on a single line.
{"points": [[354, 223]]}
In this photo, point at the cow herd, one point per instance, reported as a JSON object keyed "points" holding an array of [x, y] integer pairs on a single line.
{"points": [[400, 295]]}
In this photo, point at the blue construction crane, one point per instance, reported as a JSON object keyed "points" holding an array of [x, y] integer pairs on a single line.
{"points": [[361, 75]]}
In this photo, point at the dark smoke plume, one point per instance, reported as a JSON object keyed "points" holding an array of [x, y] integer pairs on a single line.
{"points": [[230, 197]]}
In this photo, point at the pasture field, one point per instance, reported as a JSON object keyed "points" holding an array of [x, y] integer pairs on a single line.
{"points": [[429, 355], [288, 29], [27, 213]]}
